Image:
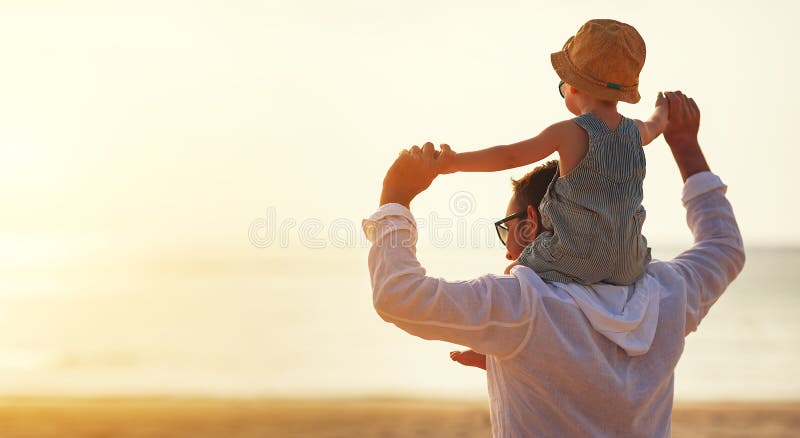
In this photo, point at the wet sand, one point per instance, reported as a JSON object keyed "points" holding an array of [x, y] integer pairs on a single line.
{"points": [[218, 418]]}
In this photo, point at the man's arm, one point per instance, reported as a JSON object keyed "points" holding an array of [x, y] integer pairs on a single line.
{"points": [[489, 314], [717, 256]]}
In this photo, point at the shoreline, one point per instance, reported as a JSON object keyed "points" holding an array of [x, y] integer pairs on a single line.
{"points": [[393, 400], [207, 417]]}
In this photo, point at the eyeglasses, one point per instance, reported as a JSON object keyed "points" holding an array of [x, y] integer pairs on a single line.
{"points": [[502, 228], [561, 84]]}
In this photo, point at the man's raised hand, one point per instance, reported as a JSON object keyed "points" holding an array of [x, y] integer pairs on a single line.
{"points": [[412, 172], [681, 134], [684, 120]]}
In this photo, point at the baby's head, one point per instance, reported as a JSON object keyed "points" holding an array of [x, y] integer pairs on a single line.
{"points": [[603, 60]]}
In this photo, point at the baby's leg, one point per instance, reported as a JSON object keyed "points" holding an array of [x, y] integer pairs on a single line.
{"points": [[508, 268], [469, 358]]}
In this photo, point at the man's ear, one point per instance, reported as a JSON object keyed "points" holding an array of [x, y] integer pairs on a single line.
{"points": [[533, 219]]}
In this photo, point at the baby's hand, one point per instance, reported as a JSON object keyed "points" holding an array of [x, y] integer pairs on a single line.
{"points": [[662, 106], [660, 115], [446, 160], [661, 101]]}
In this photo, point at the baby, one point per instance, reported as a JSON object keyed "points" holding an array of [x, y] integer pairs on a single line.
{"points": [[591, 214]]}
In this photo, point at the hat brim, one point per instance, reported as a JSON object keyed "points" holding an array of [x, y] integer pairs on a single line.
{"points": [[571, 75]]}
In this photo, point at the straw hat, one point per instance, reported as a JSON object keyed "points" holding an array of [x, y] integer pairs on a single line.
{"points": [[603, 59]]}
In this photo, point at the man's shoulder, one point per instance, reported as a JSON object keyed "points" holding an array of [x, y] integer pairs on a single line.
{"points": [[531, 282], [662, 275], [665, 275]]}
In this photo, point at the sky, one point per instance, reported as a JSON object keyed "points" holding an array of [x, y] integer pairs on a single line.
{"points": [[177, 124], [195, 148]]}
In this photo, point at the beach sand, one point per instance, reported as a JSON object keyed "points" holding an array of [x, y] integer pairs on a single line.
{"points": [[205, 418]]}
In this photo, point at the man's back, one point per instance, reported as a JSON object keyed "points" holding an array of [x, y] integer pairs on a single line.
{"points": [[570, 379]]}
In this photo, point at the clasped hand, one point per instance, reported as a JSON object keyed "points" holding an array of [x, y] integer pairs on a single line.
{"points": [[412, 172]]}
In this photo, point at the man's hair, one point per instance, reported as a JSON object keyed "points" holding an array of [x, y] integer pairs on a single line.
{"points": [[530, 189]]}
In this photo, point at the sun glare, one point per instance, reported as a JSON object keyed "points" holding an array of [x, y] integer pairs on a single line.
{"points": [[20, 143]]}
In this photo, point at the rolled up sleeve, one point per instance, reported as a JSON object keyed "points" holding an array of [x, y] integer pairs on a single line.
{"points": [[490, 314], [717, 256]]}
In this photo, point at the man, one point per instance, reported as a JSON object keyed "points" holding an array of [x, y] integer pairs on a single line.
{"points": [[564, 359]]}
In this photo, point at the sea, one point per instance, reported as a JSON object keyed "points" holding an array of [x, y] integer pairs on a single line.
{"points": [[299, 322]]}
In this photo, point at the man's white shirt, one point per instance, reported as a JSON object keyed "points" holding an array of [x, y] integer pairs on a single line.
{"points": [[567, 359]]}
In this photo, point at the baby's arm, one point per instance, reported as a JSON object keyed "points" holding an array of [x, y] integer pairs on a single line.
{"points": [[505, 156], [652, 128]]}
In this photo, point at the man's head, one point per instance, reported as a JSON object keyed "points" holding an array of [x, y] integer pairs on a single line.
{"points": [[528, 193]]}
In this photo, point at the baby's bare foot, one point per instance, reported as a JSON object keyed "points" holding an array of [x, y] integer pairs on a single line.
{"points": [[469, 358]]}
